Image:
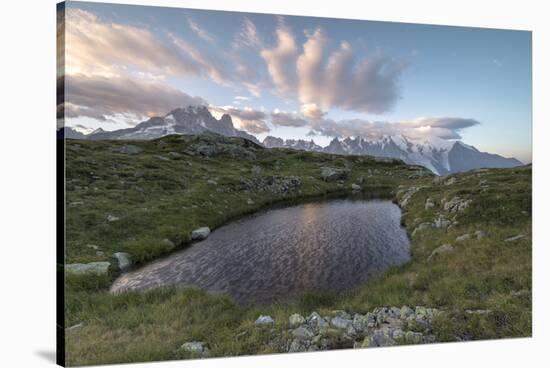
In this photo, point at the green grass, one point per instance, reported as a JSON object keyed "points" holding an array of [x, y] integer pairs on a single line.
{"points": [[158, 199]]}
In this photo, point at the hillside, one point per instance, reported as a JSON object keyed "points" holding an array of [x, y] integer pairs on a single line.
{"points": [[470, 240]]}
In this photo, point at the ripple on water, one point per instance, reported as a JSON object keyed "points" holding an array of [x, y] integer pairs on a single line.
{"points": [[332, 245]]}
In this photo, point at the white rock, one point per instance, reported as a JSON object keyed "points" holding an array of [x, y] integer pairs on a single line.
{"points": [[200, 233]]}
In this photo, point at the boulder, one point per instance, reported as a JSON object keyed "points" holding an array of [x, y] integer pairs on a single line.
{"points": [[123, 261], [341, 323], [302, 333], [355, 187], [445, 248], [195, 347], [201, 233], [264, 320], [332, 174], [317, 322], [405, 312], [429, 204], [92, 268], [296, 320], [457, 204]]}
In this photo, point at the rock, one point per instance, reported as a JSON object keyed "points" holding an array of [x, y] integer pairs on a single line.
{"points": [[382, 337], [514, 238], [317, 322], [355, 187], [296, 346], [394, 312], [480, 234], [195, 347], [92, 246], [264, 320], [477, 311], [175, 155], [201, 233], [332, 174], [463, 237], [413, 337], [93, 268], [128, 149], [302, 333], [450, 181], [445, 248], [340, 323], [169, 244], [405, 198], [429, 204], [99, 253], [520, 293], [457, 205], [405, 312], [123, 260], [75, 327], [422, 226], [360, 323], [249, 201], [112, 218], [212, 182], [296, 320], [441, 222], [256, 170]]}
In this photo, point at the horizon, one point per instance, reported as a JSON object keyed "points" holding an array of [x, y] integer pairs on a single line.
{"points": [[297, 77]]}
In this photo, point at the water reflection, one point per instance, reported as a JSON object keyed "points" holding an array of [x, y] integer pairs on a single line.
{"points": [[332, 245]]}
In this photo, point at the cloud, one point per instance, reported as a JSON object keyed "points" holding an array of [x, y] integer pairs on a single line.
{"points": [[101, 97], [338, 79], [251, 120], [199, 30], [101, 48], [311, 111], [281, 60], [288, 119], [421, 128], [248, 35]]}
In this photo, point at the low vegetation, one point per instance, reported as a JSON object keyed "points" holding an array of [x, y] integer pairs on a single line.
{"points": [[145, 198]]}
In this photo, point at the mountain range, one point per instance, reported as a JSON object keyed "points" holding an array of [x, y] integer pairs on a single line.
{"points": [[441, 156]]}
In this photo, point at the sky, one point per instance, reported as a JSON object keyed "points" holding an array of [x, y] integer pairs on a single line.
{"points": [[299, 77]]}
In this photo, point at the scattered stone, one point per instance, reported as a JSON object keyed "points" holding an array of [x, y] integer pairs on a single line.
{"points": [[520, 293], [457, 205], [264, 320], [112, 218], [405, 198], [360, 322], [92, 246], [412, 337], [445, 248], [195, 347], [92, 268], [212, 182], [175, 155], [200, 233], [355, 187], [123, 260], [463, 237], [514, 238], [296, 320], [249, 201]]}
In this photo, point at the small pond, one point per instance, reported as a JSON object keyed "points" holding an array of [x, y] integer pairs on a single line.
{"points": [[331, 245]]}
